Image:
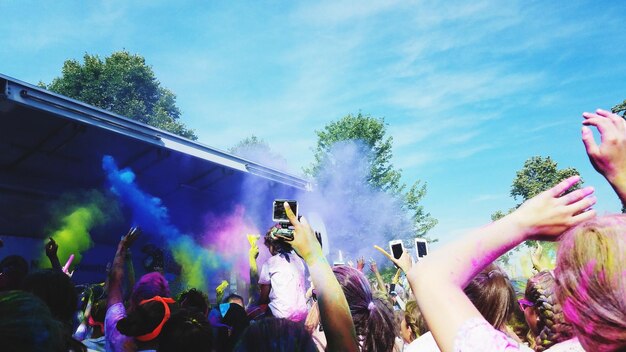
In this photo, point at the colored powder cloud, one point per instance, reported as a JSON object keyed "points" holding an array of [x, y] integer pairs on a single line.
{"points": [[149, 213], [227, 234], [73, 236]]}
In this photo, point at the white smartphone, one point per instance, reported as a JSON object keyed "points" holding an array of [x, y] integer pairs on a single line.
{"points": [[396, 247], [421, 248]]}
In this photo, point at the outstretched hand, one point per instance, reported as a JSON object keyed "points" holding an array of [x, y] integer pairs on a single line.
{"points": [[360, 264], [404, 262], [127, 240], [550, 213], [51, 248], [609, 158], [540, 260], [304, 242], [373, 266], [253, 252]]}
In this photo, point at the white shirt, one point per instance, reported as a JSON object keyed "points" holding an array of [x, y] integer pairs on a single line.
{"points": [[287, 295], [425, 343]]}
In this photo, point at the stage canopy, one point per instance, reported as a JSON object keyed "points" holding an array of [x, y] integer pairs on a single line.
{"points": [[51, 146]]}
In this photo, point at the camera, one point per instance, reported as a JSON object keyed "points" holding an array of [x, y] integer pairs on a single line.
{"points": [[279, 216]]}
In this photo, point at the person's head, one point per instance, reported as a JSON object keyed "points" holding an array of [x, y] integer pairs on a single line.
{"points": [[27, 325], [543, 314], [150, 285], [414, 324], [372, 316], [13, 269], [96, 317], [276, 245], [194, 300], [56, 289], [591, 282], [492, 294], [275, 335], [234, 298], [145, 323], [186, 331], [231, 320]]}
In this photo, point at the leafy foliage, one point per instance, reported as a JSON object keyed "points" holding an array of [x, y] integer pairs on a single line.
{"points": [[620, 108], [372, 133], [123, 84]]}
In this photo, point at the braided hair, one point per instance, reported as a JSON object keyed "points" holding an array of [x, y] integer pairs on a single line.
{"points": [[551, 325]]}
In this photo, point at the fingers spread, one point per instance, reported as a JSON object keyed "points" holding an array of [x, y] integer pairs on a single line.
{"points": [[564, 185], [577, 195], [582, 205]]}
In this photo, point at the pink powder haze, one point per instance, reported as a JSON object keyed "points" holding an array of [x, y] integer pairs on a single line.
{"points": [[227, 235]]}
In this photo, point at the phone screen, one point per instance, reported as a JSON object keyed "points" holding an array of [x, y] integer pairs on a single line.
{"points": [[279, 210], [396, 248], [421, 249]]}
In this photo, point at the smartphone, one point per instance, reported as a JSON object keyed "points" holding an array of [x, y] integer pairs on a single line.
{"points": [[421, 248], [278, 210], [396, 247]]}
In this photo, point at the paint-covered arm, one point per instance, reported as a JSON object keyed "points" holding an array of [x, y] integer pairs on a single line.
{"points": [[438, 280], [130, 270], [116, 274], [379, 278], [609, 158], [219, 291], [253, 254], [334, 311], [51, 252]]}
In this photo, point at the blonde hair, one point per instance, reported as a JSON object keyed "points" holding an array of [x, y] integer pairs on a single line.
{"points": [[591, 277], [415, 320]]}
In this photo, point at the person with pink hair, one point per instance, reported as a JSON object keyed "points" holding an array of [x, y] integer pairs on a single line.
{"points": [[591, 262]]}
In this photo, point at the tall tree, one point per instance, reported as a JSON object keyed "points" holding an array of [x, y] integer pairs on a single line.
{"points": [[124, 84], [372, 133]]}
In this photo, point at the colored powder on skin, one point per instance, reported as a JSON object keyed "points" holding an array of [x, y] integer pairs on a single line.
{"points": [[148, 212], [73, 235]]}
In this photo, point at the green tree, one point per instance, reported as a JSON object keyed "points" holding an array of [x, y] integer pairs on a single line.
{"points": [[123, 84], [382, 175], [620, 108]]}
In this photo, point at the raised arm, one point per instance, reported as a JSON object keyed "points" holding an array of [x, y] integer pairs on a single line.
{"points": [[379, 278], [51, 252], [608, 158], [438, 280], [116, 274], [253, 254], [334, 311]]}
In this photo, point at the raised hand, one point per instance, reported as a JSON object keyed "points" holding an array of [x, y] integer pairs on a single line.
{"points": [[404, 262], [127, 240], [540, 260], [253, 252], [51, 248], [373, 266], [360, 264], [609, 158], [304, 242], [551, 212]]}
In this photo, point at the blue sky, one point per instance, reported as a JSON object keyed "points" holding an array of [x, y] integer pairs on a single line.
{"points": [[470, 90]]}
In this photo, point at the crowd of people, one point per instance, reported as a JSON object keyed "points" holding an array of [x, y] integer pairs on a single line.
{"points": [[454, 299]]}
